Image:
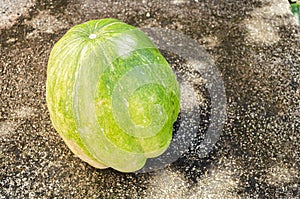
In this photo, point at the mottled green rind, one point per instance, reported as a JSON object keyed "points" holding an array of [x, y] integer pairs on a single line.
{"points": [[87, 82]]}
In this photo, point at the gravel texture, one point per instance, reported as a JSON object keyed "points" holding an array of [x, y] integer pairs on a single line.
{"points": [[253, 43], [11, 10]]}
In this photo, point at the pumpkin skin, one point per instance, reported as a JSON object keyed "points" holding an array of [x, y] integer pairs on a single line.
{"points": [[111, 95]]}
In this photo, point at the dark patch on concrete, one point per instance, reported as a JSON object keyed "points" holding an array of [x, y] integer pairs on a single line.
{"points": [[19, 31]]}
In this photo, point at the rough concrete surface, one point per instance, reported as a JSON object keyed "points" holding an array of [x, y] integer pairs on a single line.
{"points": [[255, 46]]}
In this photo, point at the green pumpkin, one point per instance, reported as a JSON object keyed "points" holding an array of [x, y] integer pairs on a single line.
{"points": [[111, 95]]}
